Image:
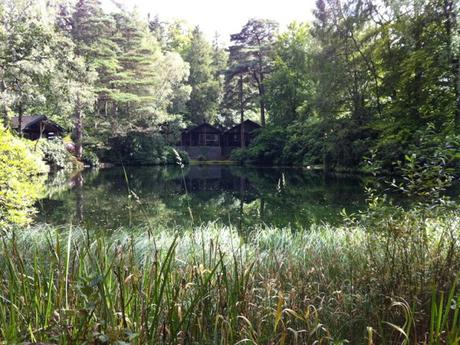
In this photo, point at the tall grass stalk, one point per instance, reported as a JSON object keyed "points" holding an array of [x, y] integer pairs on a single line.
{"points": [[209, 285]]}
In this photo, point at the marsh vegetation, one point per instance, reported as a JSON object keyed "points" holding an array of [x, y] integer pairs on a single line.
{"points": [[388, 276]]}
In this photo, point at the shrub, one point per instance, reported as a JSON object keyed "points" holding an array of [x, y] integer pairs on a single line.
{"points": [[56, 155], [141, 149], [334, 144], [266, 148], [90, 158], [177, 157], [20, 180]]}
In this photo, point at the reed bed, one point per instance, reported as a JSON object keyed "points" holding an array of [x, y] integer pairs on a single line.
{"points": [[367, 282]]}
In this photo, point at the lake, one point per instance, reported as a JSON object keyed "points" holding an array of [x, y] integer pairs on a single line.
{"points": [[170, 196]]}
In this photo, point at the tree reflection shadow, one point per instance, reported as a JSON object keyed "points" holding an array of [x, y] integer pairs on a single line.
{"points": [[242, 196]]}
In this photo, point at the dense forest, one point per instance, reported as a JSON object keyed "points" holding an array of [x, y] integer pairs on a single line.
{"points": [[363, 80]]}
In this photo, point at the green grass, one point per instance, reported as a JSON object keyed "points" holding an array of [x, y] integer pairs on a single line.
{"points": [[374, 281]]}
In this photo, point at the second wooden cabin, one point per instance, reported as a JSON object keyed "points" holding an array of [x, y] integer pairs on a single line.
{"points": [[207, 142]]}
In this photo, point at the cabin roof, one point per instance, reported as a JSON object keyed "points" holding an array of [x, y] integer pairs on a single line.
{"points": [[249, 123], [26, 121], [202, 126], [30, 120]]}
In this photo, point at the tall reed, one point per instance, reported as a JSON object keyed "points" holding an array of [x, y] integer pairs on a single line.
{"points": [[209, 285]]}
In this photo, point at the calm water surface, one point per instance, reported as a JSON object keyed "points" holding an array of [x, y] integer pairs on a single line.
{"points": [[168, 196]]}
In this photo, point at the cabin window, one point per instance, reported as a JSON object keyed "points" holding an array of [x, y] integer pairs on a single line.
{"points": [[209, 139], [212, 139]]}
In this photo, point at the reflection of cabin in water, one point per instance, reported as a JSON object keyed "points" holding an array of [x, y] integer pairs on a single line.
{"points": [[36, 127], [217, 178], [211, 143]]}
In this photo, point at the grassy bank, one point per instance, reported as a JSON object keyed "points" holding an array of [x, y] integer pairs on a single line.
{"points": [[381, 280]]}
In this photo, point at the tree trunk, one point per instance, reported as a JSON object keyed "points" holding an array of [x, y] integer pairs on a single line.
{"points": [[112, 118], [450, 22], [262, 100], [78, 129], [4, 111], [20, 115], [241, 112], [456, 68]]}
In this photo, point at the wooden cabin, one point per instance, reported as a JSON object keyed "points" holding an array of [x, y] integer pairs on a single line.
{"points": [[36, 127], [232, 137], [211, 143], [201, 135]]}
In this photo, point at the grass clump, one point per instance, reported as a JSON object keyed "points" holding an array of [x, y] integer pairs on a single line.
{"points": [[387, 282]]}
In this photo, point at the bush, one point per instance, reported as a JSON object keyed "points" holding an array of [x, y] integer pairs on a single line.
{"points": [[20, 181], [336, 144], [304, 146], [55, 154], [426, 169], [90, 158], [141, 149], [266, 148]]}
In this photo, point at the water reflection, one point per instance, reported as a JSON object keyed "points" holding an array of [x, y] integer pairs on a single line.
{"points": [[170, 196]]}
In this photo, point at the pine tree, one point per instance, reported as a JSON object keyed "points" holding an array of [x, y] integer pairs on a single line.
{"points": [[204, 99], [251, 49], [91, 30]]}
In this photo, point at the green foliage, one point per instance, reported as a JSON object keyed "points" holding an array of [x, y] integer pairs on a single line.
{"points": [[250, 62], [428, 166], [311, 142], [26, 56], [137, 81], [55, 154], [289, 88], [142, 149], [90, 158], [353, 84], [360, 78], [204, 80], [21, 179], [265, 148]]}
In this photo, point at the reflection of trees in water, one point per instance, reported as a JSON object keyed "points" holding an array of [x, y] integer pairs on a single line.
{"points": [[242, 196], [78, 188], [298, 197]]}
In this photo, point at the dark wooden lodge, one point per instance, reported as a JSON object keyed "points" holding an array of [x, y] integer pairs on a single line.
{"points": [[202, 135], [232, 137], [36, 127], [211, 143]]}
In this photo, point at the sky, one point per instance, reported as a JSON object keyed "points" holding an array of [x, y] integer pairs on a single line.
{"points": [[222, 16]]}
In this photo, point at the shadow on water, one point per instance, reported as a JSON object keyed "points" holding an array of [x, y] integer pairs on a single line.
{"points": [[167, 196]]}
